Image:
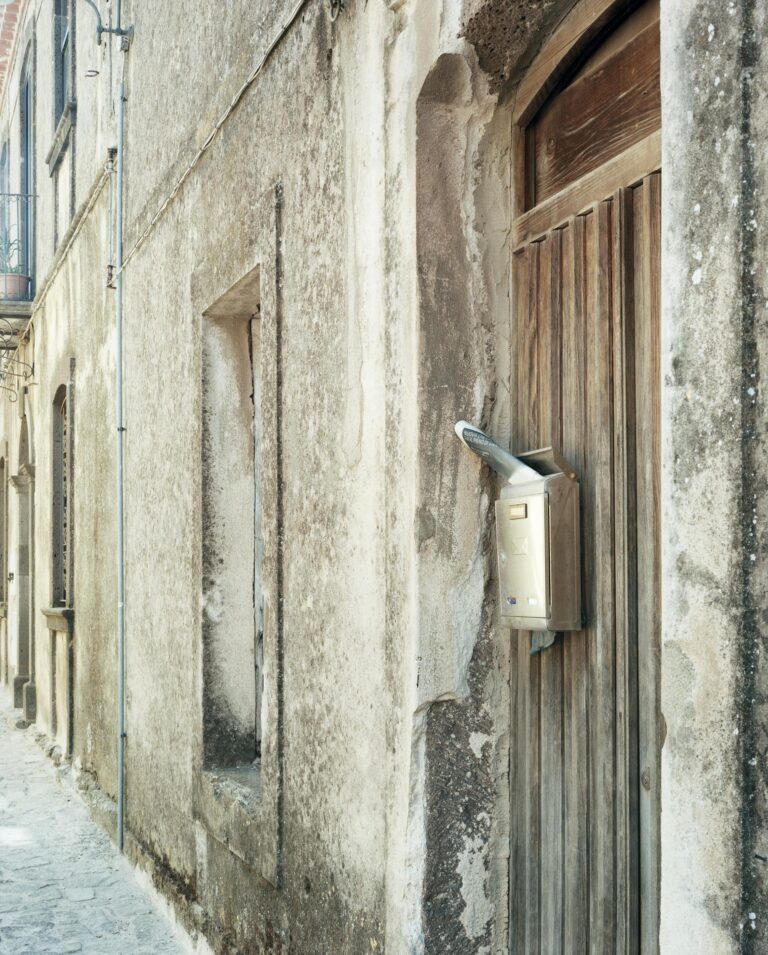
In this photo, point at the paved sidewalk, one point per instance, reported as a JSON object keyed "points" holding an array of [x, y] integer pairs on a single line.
{"points": [[63, 887]]}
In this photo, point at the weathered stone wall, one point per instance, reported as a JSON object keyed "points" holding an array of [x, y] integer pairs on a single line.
{"points": [[287, 137], [713, 486], [71, 320], [366, 173]]}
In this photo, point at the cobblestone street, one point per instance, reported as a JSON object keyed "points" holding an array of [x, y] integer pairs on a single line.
{"points": [[63, 887]]}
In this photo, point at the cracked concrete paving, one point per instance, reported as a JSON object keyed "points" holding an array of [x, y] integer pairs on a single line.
{"points": [[63, 886]]}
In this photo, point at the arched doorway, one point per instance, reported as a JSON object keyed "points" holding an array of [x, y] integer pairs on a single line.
{"points": [[24, 484], [586, 726]]}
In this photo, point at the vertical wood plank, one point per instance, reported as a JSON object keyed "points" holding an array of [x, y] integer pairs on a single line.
{"points": [[528, 663], [524, 930], [521, 275], [545, 342], [520, 176], [516, 777], [532, 814], [627, 860], [575, 657], [551, 661], [528, 353], [648, 376], [602, 648], [518, 696]]}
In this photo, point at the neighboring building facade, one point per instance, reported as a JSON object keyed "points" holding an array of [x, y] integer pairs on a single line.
{"points": [[345, 228]]}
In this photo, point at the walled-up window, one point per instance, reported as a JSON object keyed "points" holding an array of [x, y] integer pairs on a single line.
{"points": [[232, 528], [63, 57], [60, 500]]}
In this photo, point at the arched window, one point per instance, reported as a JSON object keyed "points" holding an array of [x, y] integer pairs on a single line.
{"points": [[60, 501], [3, 535]]}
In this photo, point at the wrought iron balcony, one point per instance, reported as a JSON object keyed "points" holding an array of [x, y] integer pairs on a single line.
{"points": [[16, 248]]}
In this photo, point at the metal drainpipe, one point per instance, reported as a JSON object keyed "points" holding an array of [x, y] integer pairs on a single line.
{"points": [[120, 436], [125, 37]]}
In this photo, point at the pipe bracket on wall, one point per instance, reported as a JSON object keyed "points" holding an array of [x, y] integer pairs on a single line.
{"points": [[126, 35]]}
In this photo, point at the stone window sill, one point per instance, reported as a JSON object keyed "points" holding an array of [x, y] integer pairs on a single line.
{"points": [[59, 618], [231, 808], [242, 784]]}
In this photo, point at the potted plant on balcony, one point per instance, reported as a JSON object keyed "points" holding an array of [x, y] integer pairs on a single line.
{"points": [[14, 282]]}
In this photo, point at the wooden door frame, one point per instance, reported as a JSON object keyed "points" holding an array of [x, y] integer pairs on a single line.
{"points": [[582, 26], [581, 32]]}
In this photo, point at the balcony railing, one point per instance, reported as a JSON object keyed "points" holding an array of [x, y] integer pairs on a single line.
{"points": [[16, 247]]}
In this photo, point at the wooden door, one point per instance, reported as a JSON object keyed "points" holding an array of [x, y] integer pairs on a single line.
{"points": [[584, 864]]}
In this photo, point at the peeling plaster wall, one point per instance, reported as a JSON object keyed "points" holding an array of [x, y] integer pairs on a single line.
{"points": [[383, 819], [460, 797], [363, 598], [71, 319], [714, 479], [331, 823], [456, 652]]}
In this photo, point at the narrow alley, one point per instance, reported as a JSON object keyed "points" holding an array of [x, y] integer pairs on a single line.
{"points": [[63, 887], [383, 477]]}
